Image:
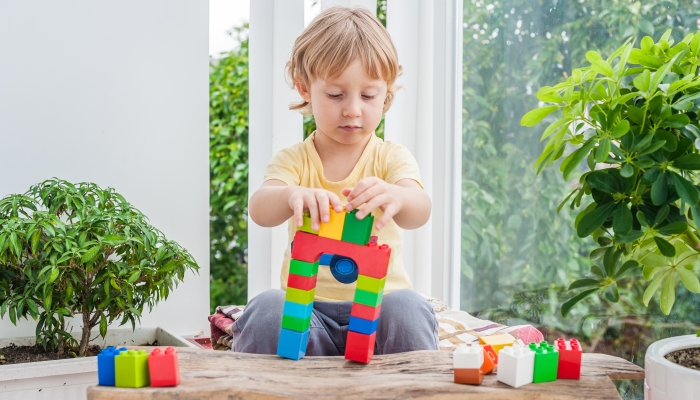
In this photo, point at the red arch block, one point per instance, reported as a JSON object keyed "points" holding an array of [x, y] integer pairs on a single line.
{"points": [[371, 260]]}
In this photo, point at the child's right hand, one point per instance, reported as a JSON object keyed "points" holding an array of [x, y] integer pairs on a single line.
{"points": [[317, 202]]}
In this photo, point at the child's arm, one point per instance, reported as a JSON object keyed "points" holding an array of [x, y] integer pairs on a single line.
{"points": [[275, 202], [404, 201]]}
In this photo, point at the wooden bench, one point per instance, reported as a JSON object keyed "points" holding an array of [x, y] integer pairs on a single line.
{"points": [[207, 374]]}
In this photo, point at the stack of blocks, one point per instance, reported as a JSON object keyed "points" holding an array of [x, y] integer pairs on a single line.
{"points": [[519, 365], [136, 368], [348, 236], [467, 362]]}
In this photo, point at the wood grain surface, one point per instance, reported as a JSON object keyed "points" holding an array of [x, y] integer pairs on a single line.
{"points": [[207, 374]]}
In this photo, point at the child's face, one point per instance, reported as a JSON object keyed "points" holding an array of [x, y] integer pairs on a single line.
{"points": [[347, 108]]}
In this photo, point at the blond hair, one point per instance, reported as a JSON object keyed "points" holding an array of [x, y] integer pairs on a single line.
{"points": [[334, 39]]}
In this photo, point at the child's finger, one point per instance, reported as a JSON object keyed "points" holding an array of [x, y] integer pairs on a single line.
{"points": [[365, 196], [376, 202], [335, 202], [313, 210], [299, 212], [323, 207], [389, 213]]}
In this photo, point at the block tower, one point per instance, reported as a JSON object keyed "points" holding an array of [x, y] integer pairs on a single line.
{"points": [[343, 235]]}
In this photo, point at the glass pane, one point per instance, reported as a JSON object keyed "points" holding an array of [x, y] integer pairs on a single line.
{"points": [[518, 253]]}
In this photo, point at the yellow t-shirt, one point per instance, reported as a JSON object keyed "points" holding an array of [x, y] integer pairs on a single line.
{"points": [[300, 165]]}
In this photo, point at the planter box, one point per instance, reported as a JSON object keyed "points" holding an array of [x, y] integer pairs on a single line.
{"points": [[665, 380], [69, 379]]}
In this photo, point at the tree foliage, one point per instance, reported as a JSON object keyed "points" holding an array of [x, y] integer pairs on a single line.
{"points": [[70, 249]]}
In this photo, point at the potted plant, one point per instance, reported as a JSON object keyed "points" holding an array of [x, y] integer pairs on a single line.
{"points": [[633, 118], [81, 251]]}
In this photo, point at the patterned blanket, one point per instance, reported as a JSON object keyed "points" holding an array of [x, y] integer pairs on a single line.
{"points": [[455, 327]]}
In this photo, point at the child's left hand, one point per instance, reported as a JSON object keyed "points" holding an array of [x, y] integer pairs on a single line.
{"points": [[374, 193]]}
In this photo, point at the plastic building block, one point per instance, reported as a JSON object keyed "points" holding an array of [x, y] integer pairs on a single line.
{"points": [[359, 347], [295, 324], [491, 353], [292, 344], [131, 368], [307, 225], [371, 260], [469, 376], [488, 365], [498, 341], [163, 367], [546, 362], [569, 359], [333, 229], [301, 282], [369, 284], [469, 357], [368, 298], [361, 325], [105, 365], [365, 312], [516, 366], [302, 268], [357, 230], [298, 310], [300, 296]]}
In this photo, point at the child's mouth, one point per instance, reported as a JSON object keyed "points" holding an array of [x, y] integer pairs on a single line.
{"points": [[350, 128]]}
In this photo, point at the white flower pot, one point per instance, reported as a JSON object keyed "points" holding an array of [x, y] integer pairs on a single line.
{"points": [[69, 379], [665, 380]]}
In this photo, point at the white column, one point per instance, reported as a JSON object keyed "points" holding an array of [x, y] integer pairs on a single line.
{"points": [[447, 149], [368, 4], [409, 121], [274, 25]]}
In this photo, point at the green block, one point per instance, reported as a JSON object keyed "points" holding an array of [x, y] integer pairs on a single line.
{"points": [[369, 284], [307, 225], [355, 230], [131, 369], [300, 296], [297, 267], [368, 298], [546, 362], [295, 324]]}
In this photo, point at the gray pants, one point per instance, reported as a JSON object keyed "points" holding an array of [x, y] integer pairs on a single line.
{"points": [[407, 323]]}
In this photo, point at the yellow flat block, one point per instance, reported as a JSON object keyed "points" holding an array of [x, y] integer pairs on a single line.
{"points": [[497, 341], [333, 229]]}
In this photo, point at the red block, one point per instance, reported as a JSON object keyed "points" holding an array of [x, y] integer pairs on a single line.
{"points": [[359, 347], [371, 260], [163, 367], [301, 282], [569, 359], [365, 312]]}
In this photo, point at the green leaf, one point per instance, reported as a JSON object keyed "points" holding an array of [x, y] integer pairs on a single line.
{"points": [[627, 170], [593, 56], [54, 275], [674, 228], [622, 220], [610, 261], [627, 267], [574, 159], [554, 126], [646, 27], [685, 189], [569, 304], [653, 287], [611, 293], [547, 94], [597, 271], [620, 129], [689, 279], [91, 254], [659, 190], [668, 294], [642, 81], [623, 99], [602, 67], [662, 214], [603, 182], [603, 150], [103, 326], [665, 247], [687, 162], [537, 115], [593, 220], [654, 260], [585, 282]]}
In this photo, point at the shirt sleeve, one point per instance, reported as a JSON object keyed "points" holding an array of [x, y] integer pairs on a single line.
{"points": [[286, 167], [400, 164]]}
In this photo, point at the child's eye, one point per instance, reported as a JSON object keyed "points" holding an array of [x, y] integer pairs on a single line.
{"points": [[369, 97], [334, 96]]}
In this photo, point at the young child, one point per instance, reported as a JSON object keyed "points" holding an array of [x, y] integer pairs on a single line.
{"points": [[344, 66]]}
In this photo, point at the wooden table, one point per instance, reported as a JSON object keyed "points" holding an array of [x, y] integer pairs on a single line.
{"points": [[207, 374]]}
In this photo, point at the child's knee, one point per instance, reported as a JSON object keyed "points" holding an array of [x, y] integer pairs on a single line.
{"points": [[266, 308], [408, 308]]}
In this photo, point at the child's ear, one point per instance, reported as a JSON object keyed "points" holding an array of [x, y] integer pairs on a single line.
{"points": [[303, 90]]}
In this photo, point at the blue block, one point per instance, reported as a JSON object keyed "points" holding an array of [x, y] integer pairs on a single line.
{"points": [[105, 365], [297, 310], [325, 259], [361, 325], [292, 344]]}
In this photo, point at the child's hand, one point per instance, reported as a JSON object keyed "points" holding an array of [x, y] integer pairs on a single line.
{"points": [[317, 202], [374, 193]]}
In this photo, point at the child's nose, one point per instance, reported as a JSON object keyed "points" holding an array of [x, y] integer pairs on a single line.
{"points": [[352, 109]]}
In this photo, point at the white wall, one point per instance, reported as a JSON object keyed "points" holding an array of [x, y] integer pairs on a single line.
{"points": [[114, 93]]}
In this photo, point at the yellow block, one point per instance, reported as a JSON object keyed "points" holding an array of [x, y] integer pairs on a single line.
{"points": [[498, 341], [333, 229]]}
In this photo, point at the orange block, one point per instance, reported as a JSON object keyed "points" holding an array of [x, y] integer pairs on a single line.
{"points": [[469, 376], [490, 360]]}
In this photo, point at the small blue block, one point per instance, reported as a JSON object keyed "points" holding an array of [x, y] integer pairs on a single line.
{"points": [[361, 325], [297, 310], [105, 365], [325, 259], [292, 344]]}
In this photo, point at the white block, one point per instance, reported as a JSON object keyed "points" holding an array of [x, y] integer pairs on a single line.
{"points": [[516, 365], [468, 356]]}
